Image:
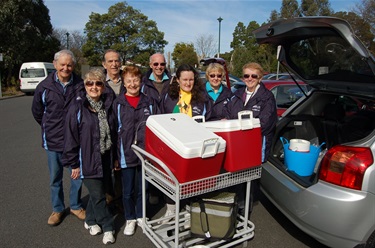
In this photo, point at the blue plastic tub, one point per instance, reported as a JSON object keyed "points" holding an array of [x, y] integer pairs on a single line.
{"points": [[302, 163]]}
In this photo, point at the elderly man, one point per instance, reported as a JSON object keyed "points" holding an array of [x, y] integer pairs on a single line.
{"points": [[52, 98], [112, 65], [155, 82]]}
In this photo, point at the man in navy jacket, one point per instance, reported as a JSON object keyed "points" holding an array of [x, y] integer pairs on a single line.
{"points": [[51, 101]]}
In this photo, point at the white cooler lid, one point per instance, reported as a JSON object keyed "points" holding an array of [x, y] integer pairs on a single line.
{"points": [[185, 136], [232, 125]]}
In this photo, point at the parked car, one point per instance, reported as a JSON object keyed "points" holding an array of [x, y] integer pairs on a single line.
{"points": [[32, 73], [286, 92], [335, 204]]}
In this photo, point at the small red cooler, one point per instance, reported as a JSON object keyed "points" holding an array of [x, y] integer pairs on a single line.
{"points": [[190, 150], [244, 141]]}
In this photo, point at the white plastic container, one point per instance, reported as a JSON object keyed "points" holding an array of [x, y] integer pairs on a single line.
{"points": [[299, 145]]}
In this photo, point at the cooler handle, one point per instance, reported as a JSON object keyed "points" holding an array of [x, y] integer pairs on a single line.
{"points": [[199, 118], [284, 141], [242, 121], [207, 150]]}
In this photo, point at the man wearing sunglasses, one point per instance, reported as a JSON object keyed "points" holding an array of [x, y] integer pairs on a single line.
{"points": [[51, 101], [155, 82]]}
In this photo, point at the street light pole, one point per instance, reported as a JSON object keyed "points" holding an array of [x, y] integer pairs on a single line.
{"points": [[67, 41], [219, 19]]}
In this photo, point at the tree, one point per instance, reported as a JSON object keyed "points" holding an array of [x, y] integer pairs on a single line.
{"points": [[184, 53], [205, 46], [289, 9], [26, 35], [366, 9], [316, 8], [124, 29]]}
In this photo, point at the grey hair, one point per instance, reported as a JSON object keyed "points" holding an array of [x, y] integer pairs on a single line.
{"points": [[95, 73], [109, 51], [64, 52]]}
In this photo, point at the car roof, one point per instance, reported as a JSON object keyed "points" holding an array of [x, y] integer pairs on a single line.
{"points": [[336, 59]]}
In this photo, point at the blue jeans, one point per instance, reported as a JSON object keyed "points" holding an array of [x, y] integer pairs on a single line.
{"points": [[132, 180], [56, 172], [97, 210]]}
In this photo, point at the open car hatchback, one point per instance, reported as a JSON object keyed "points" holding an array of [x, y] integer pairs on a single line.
{"points": [[335, 203]]}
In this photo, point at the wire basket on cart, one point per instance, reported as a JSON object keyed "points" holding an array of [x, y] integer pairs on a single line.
{"points": [[176, 233]]}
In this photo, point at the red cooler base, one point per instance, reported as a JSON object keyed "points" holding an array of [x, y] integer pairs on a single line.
{"points": [[184, 169], [244, 149]]}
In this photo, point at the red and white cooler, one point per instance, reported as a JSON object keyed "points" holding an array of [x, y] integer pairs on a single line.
{"points": [[190, 150], [244, 141]]}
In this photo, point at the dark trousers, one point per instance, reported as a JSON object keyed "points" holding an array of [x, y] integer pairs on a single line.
{"points": [[97, 211]]}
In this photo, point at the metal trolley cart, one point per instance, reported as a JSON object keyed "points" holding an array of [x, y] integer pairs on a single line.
{"points": [[175, 233]]}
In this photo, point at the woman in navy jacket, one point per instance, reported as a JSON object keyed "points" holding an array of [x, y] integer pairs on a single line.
{"points": [[186, 94], [88, 146], [259, 100], [132, 110], [218, 94]]}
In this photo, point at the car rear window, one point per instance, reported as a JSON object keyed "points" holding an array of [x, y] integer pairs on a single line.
{"points": [[32, 73], [327, 57]]}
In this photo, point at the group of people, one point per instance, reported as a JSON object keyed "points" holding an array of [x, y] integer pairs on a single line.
{"points": [[89, 125]]}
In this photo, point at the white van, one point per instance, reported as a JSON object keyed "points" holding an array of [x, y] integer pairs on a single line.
{"points": [[32, 73]]}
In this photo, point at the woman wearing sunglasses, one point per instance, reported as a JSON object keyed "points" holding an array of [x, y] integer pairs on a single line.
{"points": [[259, 100], [89, 134], [216, 92]]}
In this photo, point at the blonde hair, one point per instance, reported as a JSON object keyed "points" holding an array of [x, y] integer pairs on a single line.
{"points": [[213, 67], [254, 66]]}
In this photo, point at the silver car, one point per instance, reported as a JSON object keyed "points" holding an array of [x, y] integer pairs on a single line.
{"points": [[329, 194]]}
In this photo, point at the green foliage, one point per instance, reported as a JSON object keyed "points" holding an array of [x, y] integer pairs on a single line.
{"points": [[26, 35], [316, 8], [124, 29], [184, 53], [289, 9]]}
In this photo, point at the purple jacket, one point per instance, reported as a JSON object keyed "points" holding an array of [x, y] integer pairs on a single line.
{"points": [[131, 127], [82, 138], [263, 106], [149, 89], [218, 106], [49, 108]]}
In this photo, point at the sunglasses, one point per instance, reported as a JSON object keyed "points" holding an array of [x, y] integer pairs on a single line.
{"points": [[92, 83], [161, 64], [255, 76], [217, 75]]}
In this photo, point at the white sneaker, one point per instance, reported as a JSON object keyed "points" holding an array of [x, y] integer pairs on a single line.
{"points": [[108, 238], [187, 221], [171, 213], [94, 229], [140, 222], [130, 227]]}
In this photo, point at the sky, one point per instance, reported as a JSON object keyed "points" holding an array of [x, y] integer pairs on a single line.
{"points": [[180, 20]]}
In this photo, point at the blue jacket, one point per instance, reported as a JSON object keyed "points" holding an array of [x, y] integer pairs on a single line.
{"points": [[131, 127], [82, 138], [263, 106], [204, 108], [217, 107], [49, 108], [149, 89]]}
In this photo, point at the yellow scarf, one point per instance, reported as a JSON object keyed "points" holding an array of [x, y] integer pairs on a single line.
{"points": [[183, 105]]}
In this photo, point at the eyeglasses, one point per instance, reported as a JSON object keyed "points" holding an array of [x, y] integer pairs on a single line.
{"points": [[157, 64], [92, 83], [217, 75], [255, 76]]}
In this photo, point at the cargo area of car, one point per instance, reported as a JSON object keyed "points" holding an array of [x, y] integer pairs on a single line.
{"points": [[331, 118]]}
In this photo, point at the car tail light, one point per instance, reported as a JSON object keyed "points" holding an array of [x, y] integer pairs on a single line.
{"points": [[346, 166]]}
